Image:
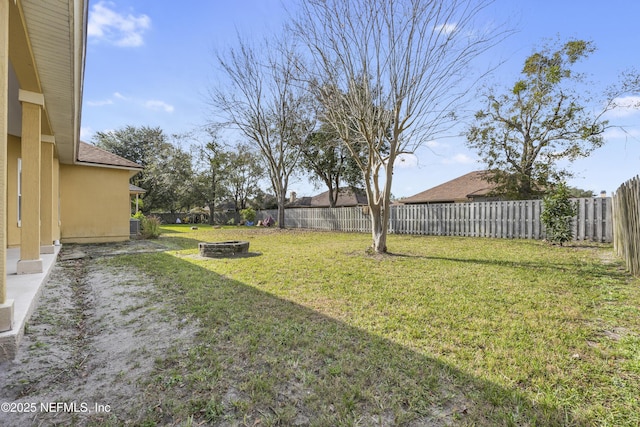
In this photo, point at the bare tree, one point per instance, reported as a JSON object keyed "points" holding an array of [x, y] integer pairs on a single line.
{"points": [[390, 75], [265, 101]]}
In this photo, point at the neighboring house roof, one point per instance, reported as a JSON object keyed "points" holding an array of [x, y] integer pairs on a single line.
{"points": [[346, 197], [133, 189], [300, 202], [88, 153], [461, 189]]}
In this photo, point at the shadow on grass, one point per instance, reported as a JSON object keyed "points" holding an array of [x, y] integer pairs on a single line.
{"points": [[244, 255], [260, 359]]}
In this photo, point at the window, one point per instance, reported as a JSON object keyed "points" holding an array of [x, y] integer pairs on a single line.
{"points": [[19, 192]]}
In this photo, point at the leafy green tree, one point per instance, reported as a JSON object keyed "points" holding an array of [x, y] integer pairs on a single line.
{"points": [[244, 174], [579, 192], [133, 143], [212, 166], [557, 214], [168, 180], [167, 170], [329, 162], [523, 134], [263, 200]]}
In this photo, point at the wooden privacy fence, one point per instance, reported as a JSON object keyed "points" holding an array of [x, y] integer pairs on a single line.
{"points": [[508, 219], [626, 224]]}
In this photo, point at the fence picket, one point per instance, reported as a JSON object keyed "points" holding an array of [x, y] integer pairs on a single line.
{"points": [[507, 219], [626, 223]]}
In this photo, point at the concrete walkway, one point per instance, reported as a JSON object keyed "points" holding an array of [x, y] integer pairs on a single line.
{"points": [[24, 289]]}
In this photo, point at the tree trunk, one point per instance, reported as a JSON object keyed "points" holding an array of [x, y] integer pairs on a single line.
{"points": [[212, 212], [380, 211], [378, 229], [333, 196], [212, 203], [281, 202]]}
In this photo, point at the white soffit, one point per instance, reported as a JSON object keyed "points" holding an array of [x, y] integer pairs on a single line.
{"points": [[57, 33]]}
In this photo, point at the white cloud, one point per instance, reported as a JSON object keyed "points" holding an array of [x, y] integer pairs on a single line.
{"points": [[622, 133], [446, 28], [625, 106], [99, 103], [460, 158], [433, 144], [86, 133], [106, 24], [159, 105], [406, 161], [108, 101], [151, 104]]}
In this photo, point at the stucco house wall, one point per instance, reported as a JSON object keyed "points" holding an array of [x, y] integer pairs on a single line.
{"points": [[94, 204], [56, 202], [13, 153], [48, 186]]}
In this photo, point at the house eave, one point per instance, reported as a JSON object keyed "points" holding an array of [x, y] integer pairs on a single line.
{"points": [[132, 171], [57, 40]]}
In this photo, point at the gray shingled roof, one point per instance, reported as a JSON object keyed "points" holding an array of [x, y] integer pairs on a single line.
{"points": [[461, 189], [134, 189], [88, 153], [346, 197]]}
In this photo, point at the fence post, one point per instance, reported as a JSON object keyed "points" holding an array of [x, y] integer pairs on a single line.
{"points": [[507, 219]]}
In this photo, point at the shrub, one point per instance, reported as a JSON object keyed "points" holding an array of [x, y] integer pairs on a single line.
{"points": [[137, 215], [557, 214], [248, 214], [150, 227], [140, 204]]}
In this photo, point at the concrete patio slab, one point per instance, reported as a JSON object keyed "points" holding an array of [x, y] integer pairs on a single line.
{"points": [[24, 290]]}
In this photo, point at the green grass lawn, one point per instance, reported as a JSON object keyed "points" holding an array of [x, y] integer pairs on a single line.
{"points": [[311, 330]]}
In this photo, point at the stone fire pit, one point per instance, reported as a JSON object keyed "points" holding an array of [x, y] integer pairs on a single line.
{"points": [[223, 249]]}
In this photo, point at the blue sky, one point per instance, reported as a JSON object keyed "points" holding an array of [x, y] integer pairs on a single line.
{"points": [[150, 63]]}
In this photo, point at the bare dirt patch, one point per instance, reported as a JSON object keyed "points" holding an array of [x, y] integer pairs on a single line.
{"points": [[91, 344]]}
